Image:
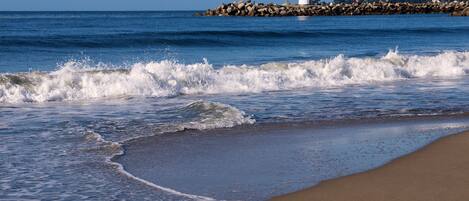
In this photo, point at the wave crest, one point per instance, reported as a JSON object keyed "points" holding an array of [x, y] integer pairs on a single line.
{"points": [[79, 81], [207, 38], [203, 115]]}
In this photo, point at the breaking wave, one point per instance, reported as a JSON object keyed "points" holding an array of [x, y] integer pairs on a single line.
{"points": [[203, 115], [82, 81]]}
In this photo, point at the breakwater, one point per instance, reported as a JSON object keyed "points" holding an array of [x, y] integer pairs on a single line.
{"points": [[331, 9]]}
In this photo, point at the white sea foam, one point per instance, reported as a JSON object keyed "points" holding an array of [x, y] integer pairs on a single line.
{"points": [[79, 81], [202, 115], [118, 150]]}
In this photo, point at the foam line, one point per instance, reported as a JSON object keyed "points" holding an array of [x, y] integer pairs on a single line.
{"points": [[99, 139]]}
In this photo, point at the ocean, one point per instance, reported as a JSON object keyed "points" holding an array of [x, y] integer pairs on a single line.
{"points": [[76, 87]]}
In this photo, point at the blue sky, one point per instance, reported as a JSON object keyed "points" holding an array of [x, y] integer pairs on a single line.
{"points": [[67, 5]]}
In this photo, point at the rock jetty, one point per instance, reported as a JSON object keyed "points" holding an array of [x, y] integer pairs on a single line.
{"points": [[375, 8]]}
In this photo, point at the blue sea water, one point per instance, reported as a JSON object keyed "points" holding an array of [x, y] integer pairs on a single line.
{"points": [[74, 86], [39, 41]]}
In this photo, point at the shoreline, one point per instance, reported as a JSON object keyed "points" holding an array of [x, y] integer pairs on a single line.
{"points": [[225, 163], [438, 171]]}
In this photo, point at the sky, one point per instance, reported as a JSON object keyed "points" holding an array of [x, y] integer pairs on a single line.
{"points": [[110, 5]]}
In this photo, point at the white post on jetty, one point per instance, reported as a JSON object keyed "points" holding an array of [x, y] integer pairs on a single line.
{"points": [[304, 2]]}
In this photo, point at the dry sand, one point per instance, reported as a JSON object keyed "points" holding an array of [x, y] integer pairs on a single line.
{"points": [[438, 172]]}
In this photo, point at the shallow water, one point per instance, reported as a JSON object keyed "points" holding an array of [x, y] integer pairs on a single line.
{"points": [[74, 86], [261, 162]]}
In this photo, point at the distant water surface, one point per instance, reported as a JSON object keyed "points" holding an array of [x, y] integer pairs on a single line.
{"points": [[40, 40]]}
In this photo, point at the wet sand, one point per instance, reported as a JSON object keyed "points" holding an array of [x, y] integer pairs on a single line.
{"points": [[440, 171]]}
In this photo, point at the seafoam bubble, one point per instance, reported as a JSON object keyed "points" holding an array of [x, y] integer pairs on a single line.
{"points": [[80, 81]]}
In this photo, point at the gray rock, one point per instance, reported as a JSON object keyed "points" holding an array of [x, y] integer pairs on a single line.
{"points": [[241, 6], [464, 12]]}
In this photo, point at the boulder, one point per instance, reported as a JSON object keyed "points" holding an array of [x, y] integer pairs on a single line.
{"points": [[241, 6], [464, 12], [250, 8], [262, 10], [229, 10]]}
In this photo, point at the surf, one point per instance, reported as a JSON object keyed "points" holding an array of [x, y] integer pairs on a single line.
{"points": [[81, 81]]}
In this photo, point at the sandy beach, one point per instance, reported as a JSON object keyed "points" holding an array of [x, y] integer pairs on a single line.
{"points": [[440, 171]]}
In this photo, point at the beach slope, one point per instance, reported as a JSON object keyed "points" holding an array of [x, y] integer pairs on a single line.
{"points": [[437, 172]]}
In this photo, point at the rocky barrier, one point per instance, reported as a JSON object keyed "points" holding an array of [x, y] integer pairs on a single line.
{"points": [[375, 8]]}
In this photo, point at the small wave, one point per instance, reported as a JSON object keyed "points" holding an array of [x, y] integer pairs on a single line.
{"points": [[106, 41], [82, 81], [200, 115], [311, 33], [203, 115], [105, 147], [197, 115], [204, 38]]}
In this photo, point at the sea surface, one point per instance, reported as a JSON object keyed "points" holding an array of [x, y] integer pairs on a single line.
{"points": [[76, 86]]}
